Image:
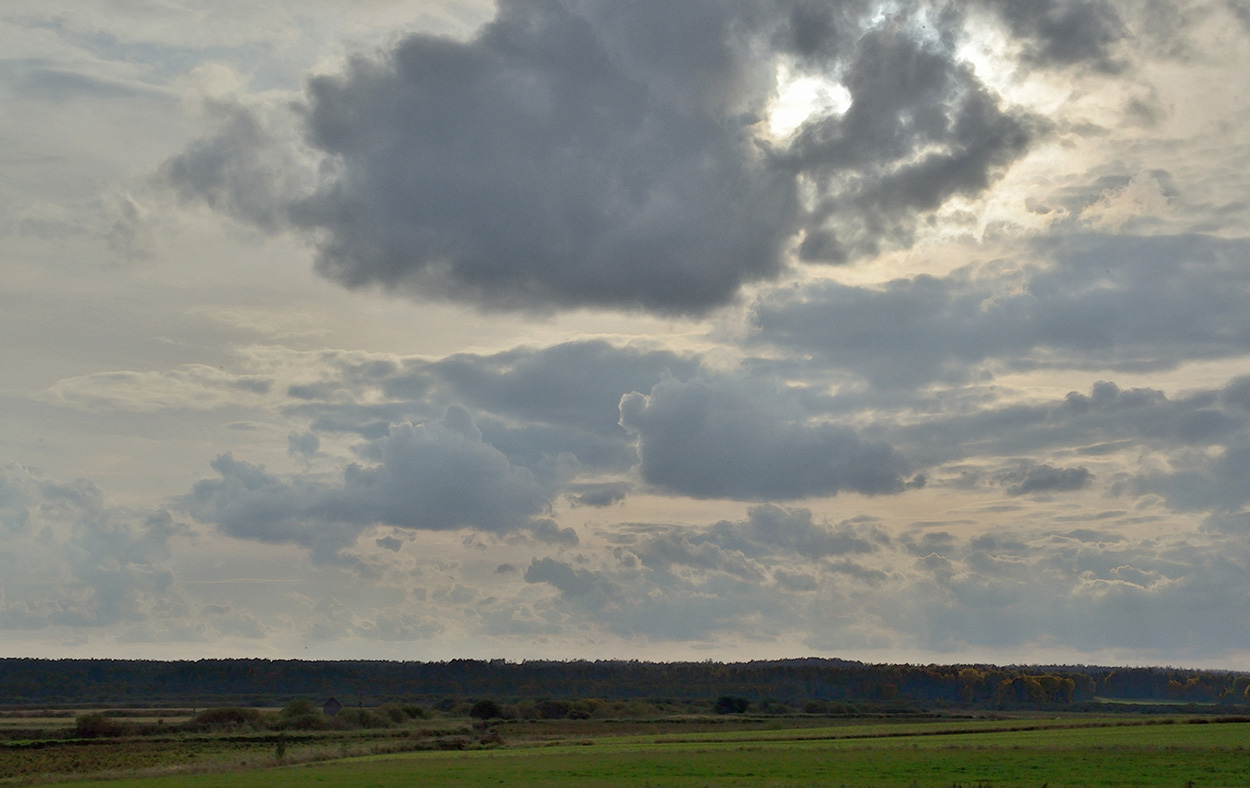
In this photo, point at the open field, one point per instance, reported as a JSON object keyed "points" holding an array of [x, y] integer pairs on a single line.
{"points": [[1053, 752], [65, 718]]}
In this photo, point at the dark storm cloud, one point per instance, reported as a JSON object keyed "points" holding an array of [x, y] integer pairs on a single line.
{"points": [[1064, 32], [1121, 303], [1241, 10], [1198, 482], [1106, 420], [569, 580], [771, 535], [1030, 478], [683, 594], [585, 152], [675, 549], [434, 476], [1099, 593], [242, 171], [302, 444], [920, 129], [1006, 588], [1204, 436], [573, 384], [598, 495], [728, 438], [390, 543], [532, 404], [771, 530], [563, 157]]}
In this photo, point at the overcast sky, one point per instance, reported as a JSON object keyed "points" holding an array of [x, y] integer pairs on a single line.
{"points": [[712, 329]]}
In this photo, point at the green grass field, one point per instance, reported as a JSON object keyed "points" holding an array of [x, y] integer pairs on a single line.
{"points": [[939, 754]]}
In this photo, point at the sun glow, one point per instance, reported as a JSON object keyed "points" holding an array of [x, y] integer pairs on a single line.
{"points": [[801, 97]]}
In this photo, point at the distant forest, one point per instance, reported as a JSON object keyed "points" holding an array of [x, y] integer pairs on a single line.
{"points": [[800, 685]]}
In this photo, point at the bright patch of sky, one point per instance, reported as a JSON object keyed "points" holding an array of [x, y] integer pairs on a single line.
{"points": [[801, 97]]}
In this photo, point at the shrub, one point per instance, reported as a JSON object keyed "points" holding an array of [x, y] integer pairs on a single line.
{"points": [[392, 712], [552, 709], [225, 717], [362, 718], [486, 709], [447, 705], [729, 704], [315, 721], [299, 708], [97, 725]]}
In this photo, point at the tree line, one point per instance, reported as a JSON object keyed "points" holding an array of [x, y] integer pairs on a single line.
{"points": [[796, 684]]}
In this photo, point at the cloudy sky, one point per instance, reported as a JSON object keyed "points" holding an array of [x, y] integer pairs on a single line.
{"points": [[713, 329]]}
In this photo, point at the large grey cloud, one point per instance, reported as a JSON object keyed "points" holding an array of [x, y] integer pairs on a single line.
{"points": [[736, 439], [1192, 449], [1097, 302], [771, 529], [1091, 591], [438, 475], [532, 404], [242, 171], [1031, 478], [768, 537], [1064, 32], [574, 383], [1107, 420], [698, 595], [586, 152], [921, 128], [1082, 590]]}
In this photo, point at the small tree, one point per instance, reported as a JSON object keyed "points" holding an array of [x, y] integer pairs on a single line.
{"points": [[98, 725], [486, 709], [299, 707], [730, 704]]}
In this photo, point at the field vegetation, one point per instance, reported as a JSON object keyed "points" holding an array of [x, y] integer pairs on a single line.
{"points": [[396, 746], [140, 724]]}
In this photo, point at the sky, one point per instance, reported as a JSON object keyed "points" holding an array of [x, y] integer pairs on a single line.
{"points": [[714, 329]]}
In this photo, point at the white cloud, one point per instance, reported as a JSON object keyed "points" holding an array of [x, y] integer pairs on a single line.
{"points": [[193, 387]]}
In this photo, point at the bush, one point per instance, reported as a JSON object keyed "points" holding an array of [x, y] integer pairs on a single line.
{"points": [[315, 721], [225, 717], [729, 704], [552, 709], [770, 706], [447, 705], [300, 707], [97, 726], [486, 710], [362, 718], [392, 712]]}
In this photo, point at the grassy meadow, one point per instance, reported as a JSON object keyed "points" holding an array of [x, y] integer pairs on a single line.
{"points": [[973, 753]]}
